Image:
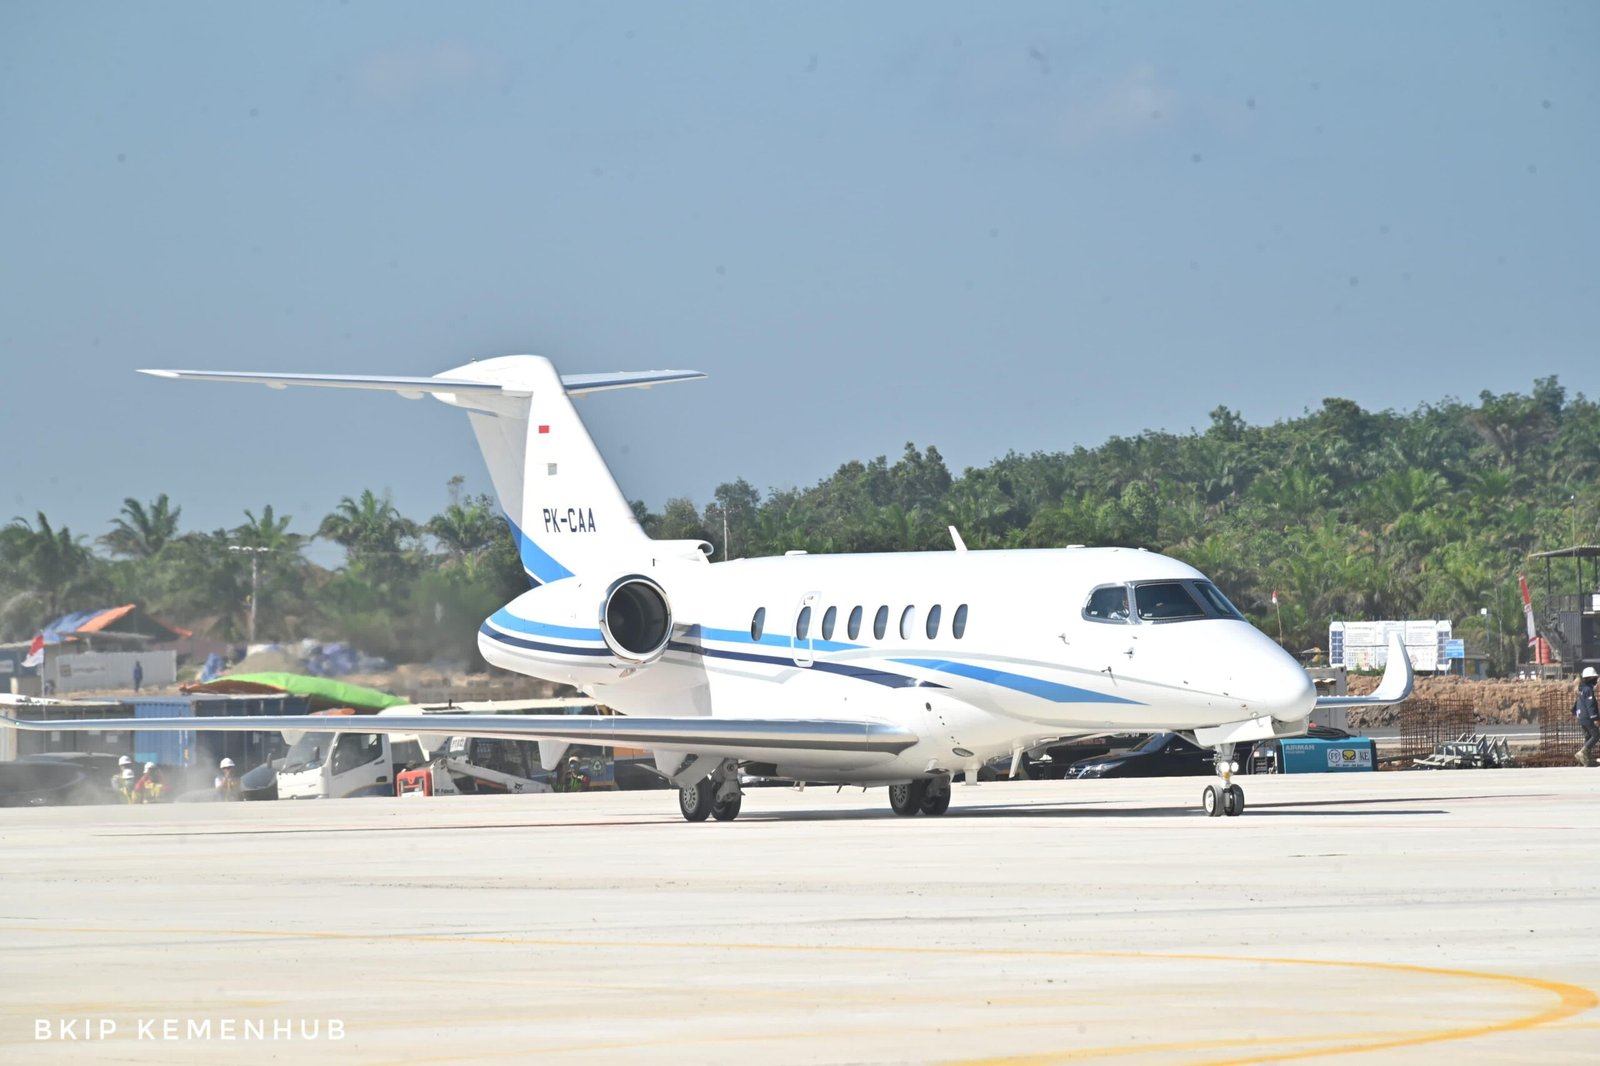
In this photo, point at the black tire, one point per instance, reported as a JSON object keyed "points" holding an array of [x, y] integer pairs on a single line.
{"points": [[936, 804], [1211, 801], [727, 810], [695, 800], [906, 799], [1233, 801]]}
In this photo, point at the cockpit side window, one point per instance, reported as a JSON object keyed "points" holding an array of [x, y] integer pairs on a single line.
{"points": [[1107, 604], [1217, 601], [1166, 601]]}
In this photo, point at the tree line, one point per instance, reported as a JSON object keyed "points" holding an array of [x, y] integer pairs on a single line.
{"points": [[1343, 512]]}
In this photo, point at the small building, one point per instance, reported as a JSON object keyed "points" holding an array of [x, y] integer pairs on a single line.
{"points": [[96, 651]]}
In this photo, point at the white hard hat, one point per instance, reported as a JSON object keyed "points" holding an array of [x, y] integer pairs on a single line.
{"points": [[227, 764], [1589, 671], [149, 766], [126, 760]]}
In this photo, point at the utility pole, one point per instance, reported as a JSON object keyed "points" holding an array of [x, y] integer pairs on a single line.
{"points": [[255, 580]]}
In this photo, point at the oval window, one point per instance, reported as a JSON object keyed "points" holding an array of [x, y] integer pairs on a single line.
{"points": [[854, 628], [830, 616], [933, 621], [880, 622], [758, 623], [802, 625], [908, 620], [958, 624]]}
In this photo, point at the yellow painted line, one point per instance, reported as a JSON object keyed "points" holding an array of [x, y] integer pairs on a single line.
{"points": [[1570, 1000]]}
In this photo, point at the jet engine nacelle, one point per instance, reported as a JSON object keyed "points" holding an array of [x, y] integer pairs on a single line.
{"points": [[631, 613]]}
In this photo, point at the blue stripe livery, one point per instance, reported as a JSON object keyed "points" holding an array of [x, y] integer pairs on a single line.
{"points": [[1033, 686], [506, 620], [535, 560]]}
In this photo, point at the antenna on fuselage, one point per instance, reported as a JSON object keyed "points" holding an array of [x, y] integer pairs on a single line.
{"points": [[961, 545]]}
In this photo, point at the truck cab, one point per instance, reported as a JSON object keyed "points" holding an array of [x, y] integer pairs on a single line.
{"points": [[330, 765]]}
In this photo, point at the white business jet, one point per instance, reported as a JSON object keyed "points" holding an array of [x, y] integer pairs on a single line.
{"points": [[899, 669]]}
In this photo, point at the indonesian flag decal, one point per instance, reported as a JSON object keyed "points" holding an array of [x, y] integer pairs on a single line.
{"points": [[35, 652], [1274, 595]]}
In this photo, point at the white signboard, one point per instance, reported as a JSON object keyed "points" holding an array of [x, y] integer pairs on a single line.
{"points": [[1365, 645]]}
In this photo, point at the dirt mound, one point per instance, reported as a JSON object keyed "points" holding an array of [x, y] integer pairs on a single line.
{"points": [[1497, 701]]}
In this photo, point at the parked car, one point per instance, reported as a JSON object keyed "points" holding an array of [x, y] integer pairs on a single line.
{"points": [[1163, 755]]}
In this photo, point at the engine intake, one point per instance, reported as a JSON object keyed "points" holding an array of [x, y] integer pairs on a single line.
{"points": [[635, 619]]}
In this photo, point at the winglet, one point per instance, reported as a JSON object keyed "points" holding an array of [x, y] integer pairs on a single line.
{"points": [[1394, 687]]}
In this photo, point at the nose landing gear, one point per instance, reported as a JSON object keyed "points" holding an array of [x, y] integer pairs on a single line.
{"points": [[1228, 800]]}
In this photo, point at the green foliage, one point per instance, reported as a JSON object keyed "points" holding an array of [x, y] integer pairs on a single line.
{"points": [[1344, 512]]}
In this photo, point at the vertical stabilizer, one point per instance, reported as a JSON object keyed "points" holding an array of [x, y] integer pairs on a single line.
{"points": [[564, 507]]}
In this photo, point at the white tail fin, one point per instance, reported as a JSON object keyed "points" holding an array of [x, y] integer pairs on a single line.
{"points": [[565, 509]]}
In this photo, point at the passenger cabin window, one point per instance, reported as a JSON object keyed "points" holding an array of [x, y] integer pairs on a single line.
{"points": [[933, 621], [758, 623], [802, 625], [1108, 604], [830, 616], [854, 628], [1217, 601], [958, 624], [1166, 601], [880, 622], [908, 621]]}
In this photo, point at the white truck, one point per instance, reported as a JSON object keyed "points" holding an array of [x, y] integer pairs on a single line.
{"points": [[341, 763]]}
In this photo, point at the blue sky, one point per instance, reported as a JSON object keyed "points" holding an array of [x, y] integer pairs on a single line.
{"points": [[987, 227]]}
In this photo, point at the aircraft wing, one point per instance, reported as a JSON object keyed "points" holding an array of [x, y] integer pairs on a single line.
{"points": [[746, 738], [1394, 687]]}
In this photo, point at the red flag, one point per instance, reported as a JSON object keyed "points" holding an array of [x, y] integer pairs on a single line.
{"points": [[1274, 595], [35, 652]]}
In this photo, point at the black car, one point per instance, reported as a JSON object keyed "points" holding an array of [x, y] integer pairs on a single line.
{"points": [[1162, 755]]}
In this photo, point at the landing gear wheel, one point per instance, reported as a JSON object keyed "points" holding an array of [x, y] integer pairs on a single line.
{"points": [[1211, 801], [727, 810], [936, 804], [1233, 801], [906, 799], [695, 800]]}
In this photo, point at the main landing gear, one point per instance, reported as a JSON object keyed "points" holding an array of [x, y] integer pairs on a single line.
{"points": [[717, 796], [1229, 798], [931, 797]]}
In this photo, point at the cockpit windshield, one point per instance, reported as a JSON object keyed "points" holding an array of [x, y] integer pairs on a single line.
{"points": [[308, 752], [1166, 601], [1217, 601], [1108, 604], [1158, 601]]}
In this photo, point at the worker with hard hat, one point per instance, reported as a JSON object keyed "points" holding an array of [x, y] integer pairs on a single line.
{"points": [[150, 787], [126, 782], [574, 779], [1588, 715], [124, 762], [227, 781]]}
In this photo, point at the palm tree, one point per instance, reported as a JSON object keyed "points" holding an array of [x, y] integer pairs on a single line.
{"points": [[47, 565], [370, 525], [142, 532]]}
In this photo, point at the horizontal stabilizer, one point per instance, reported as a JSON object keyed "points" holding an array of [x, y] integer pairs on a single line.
{"points": [[1394, 687], [708, 736], [415, 387]]}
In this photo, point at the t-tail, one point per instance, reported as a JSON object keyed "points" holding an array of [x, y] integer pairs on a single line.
{"points": [[565, 510]]}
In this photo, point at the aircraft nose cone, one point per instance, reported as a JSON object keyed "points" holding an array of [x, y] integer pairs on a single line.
{"points": [[1274, 684]]}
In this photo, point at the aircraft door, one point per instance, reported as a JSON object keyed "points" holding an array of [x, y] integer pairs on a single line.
{"points": [[805, 626]]}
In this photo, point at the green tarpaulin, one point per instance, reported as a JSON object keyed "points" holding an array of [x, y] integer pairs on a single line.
{"points": [[323, 692]]}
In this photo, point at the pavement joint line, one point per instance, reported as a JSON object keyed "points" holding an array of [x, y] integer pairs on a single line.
{"points": [[1571, 1000]]}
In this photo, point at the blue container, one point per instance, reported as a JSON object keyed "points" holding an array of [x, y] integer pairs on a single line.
{"points": [[160, 746], [1308, 755]]}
